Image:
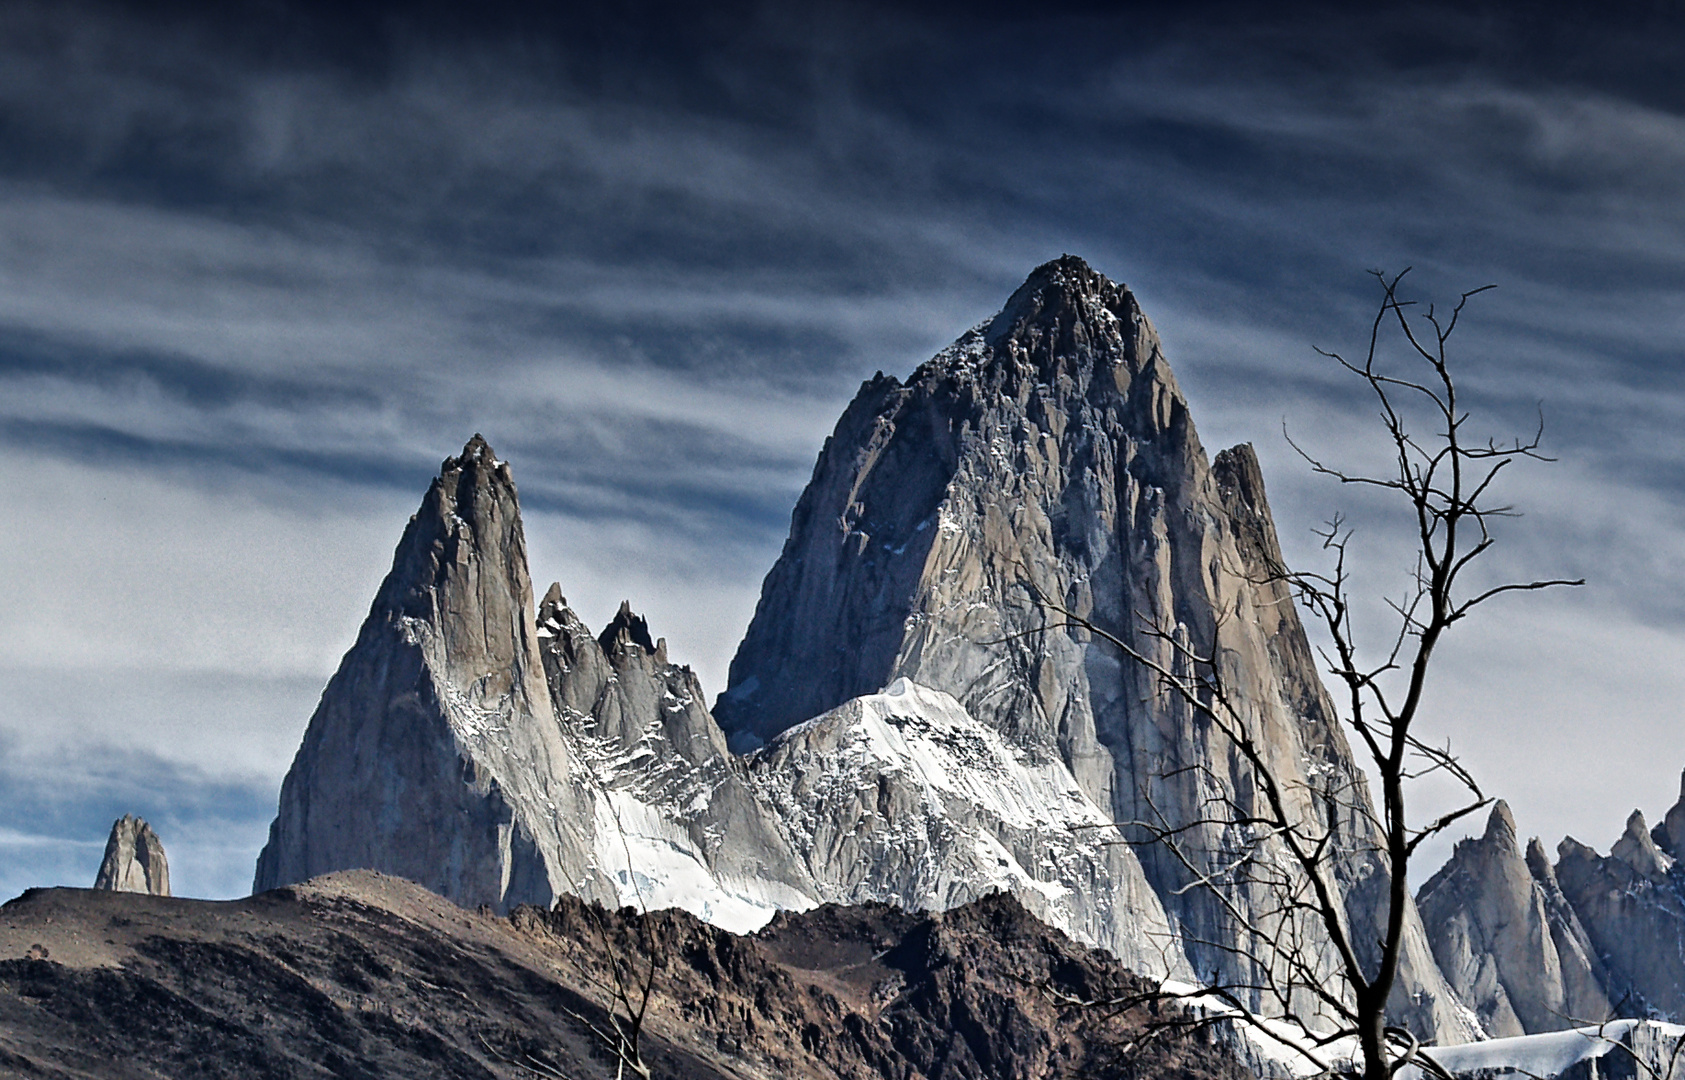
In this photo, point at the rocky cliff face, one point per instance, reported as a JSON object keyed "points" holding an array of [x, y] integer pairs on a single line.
{"points": [[1632, 904], [1049, 454], [1592, 937], [1585, 980], [677, 824], [1507, 940], [134, 859], [435, 754]]}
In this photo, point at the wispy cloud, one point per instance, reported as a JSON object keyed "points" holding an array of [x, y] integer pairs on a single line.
{"points": [[252, 290], [59, 804]]}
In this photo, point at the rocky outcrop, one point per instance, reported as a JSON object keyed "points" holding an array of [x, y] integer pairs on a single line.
{"points": [[1632, 905], [1507, 940], [1048, 455], [134, 859], [434, 753], [677, 824], [902, 797]]}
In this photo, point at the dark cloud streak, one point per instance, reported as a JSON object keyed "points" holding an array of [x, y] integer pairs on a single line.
{"points": [[302, 251]]}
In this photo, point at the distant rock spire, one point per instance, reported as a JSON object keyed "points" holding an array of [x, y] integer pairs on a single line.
{"points": [[1669, 834], [1638, 850], [134, 859], [1505, 938]]}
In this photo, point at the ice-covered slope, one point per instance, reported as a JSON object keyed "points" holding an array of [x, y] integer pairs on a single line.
{"points": [[1620, 1048], [903, 797]]}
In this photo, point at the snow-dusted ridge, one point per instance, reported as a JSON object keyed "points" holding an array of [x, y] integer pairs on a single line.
{"points": [[903, 797], [900, 796]]}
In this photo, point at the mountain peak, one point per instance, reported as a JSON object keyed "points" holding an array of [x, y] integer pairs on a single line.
{"points": [[433, 753], [1639, 851], [627, 627], [1068, 305], [1046, 454], [475, 449], [1500, 826]]}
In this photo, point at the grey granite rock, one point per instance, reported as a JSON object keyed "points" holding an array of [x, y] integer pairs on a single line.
{"points": [[435, 753], [1669, 834], [1049, 454], [134, 859], [1585, 981], [1632, 905], [1506, 940], [677, 823]]}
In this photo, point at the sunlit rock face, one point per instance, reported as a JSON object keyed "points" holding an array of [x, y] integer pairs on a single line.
{"points": [[1049, 455], [134, 859], [435, 754], [1506, 938]]}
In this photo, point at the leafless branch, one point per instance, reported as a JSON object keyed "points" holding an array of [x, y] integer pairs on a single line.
{"points": [[1286, 843]]}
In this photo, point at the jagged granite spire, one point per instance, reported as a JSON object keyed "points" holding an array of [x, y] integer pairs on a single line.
{"points": [[1506, 940], [1632, 905], [134, 859], [1669, 834], [435, 753], [677, 825], [1049, 453]]}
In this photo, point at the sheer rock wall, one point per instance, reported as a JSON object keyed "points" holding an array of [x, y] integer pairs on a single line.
{"points": [[434, 754], [1049, 455]]}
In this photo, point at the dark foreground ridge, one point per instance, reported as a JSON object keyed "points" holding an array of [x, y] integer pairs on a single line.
{"points": [[361, 975]]}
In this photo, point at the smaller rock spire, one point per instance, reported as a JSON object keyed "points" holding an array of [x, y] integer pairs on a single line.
{"points": [[1639, 851], [1670, 833], [134, 859], [1500, 827], [628, 627]]}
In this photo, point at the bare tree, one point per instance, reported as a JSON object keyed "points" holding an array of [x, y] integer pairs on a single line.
{"points": [[630, 986], [1285, 839]]}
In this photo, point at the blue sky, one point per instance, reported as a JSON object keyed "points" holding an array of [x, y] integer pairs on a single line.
{"points": [[262, 266]]}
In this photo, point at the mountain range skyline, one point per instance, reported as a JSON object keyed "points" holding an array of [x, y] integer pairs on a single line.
{"points": [[266, 268]]}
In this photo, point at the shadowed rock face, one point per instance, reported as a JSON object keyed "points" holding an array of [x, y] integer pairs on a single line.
{"points": [[1632, 904], [435, 754], [134, 859], [1048, 454], [1507, 940], [1669, 835]]}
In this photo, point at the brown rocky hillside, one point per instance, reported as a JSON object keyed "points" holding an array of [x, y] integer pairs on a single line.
{"points": [[361, 975]]}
